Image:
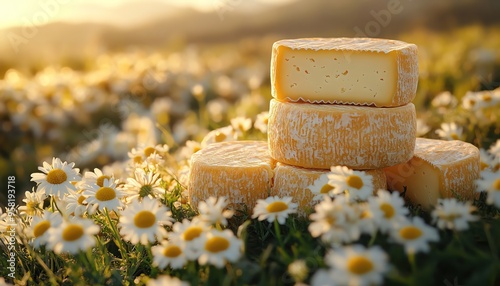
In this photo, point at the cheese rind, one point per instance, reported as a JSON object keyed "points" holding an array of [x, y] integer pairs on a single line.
{"points": [[438, 169], [242, 171], [359, 71], [319, 136], [294, 181]]}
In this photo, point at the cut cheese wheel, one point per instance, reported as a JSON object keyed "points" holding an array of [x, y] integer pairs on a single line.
{"points": [[294, 181], [319, 136], [242, 171], [439, 169], [360, 71]]}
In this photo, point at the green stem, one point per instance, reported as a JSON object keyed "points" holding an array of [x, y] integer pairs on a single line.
{"points": [[413, 264], [116, 235], [373, 238], [278, 232]]}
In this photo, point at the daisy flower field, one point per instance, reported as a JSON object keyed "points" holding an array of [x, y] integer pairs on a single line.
{"points": [[103, 158]]}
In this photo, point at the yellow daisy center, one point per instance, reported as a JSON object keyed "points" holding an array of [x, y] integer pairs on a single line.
{"points": [[325, 189], [487, 97], [364, 214], [354, 182], [265, 120], [496, 185], [331, 220], [454, 136], [172, 251], [484, 165], [192, 233], [72, 232], [41, 228], [196, 149], [81, 199], [276, 207], [137, 159], [472, 102], [105, 194], [148, 151], [216, 244], [450, 216], [359, 265], [56, 176], [410, 232], [144, 219], [219, 137], [31, 206], [100, 180], [388, 210]]}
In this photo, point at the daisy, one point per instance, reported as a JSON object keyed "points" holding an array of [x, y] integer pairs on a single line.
{"points": [[495, 149], [33, 203], [390, 208], [321, 187], [470, 101], [329, 222], [450, 131], [490, 182], [169, 254], [356, 184], [422, 127], [452, 214], [357, 265], [105, 196], [189, 234], [274, 208], [444, 99], [486, 159], [143, 185], [40, 225], [298, 270], [77, 204], [367, 218], [56, 178], [323, 277], [166, 280], [212, 211], [219, 135], [241, 124], [72, 236], [261, 122], [189, 149], [218, 247], [415, 235], [94, 178], [142, 220]]}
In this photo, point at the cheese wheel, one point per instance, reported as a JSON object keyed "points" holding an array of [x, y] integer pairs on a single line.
{"points": [[294, 181], [242, 171], [439, 169], [359, 71], [319, 136]]}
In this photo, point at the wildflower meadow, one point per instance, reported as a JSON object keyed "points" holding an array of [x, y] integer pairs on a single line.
{"points": [[102, 161]]}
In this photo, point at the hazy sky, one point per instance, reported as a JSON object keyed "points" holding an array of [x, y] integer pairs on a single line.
{"points": [[23, 12]]}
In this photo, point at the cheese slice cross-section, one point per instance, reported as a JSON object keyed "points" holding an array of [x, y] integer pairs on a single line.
{"points": [[359, 71], [242, 171], [438, 169], [319, 136], [294, 181]]}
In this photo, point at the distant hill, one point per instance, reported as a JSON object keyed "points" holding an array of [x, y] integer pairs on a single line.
{"points": [[233, 23]]}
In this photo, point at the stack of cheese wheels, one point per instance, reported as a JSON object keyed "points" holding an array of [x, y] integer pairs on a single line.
{"points": [[340, 102], [337, 102]]}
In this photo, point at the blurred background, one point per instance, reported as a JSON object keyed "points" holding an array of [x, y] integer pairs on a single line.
{"points": [[86, 81]]}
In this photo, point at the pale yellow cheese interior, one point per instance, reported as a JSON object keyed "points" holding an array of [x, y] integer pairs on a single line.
{"points": [[377, 72], [438, 169]]}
